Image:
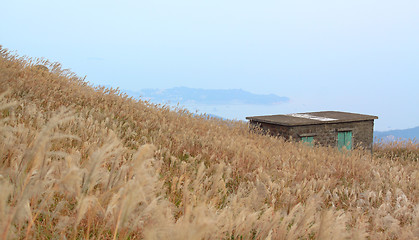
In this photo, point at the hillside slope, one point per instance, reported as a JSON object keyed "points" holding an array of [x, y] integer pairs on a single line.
{"points": [[87, 162]]}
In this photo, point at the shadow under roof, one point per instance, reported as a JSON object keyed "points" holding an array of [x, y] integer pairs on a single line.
{"points": [[312, 118]]}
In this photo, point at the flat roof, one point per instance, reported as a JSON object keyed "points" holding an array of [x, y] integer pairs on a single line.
{"points": [[312, 118]]}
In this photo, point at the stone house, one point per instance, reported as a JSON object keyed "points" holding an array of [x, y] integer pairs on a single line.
{"points": [[328, 128]]}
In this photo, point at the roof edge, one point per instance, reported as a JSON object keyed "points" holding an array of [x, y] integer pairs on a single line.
{"points": [[254, 119]]}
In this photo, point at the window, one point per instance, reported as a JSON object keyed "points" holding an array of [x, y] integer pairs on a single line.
{"points": [[308, 140], [345, 140]]}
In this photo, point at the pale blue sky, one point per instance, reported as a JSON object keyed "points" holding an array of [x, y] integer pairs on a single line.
{"points": [[358, 55]]}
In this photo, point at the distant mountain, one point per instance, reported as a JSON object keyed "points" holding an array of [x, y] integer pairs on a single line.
{"points": [[184, 95], [409, 133]]}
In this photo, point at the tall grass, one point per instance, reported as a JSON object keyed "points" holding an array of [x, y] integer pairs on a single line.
{"points": [[79, 162], [400, 150]]}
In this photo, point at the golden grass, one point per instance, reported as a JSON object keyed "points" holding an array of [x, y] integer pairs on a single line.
{"points": [[81, 162]]}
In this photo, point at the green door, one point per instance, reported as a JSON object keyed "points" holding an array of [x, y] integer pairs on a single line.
{"points": [[345, 140], [308, 140]]}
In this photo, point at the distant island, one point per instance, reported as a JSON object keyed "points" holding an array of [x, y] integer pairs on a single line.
{"points": [[410, 133], [185, 95], [195, 98]]}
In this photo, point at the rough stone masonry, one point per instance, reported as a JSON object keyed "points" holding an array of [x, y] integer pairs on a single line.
{"points": [[321, 127]]}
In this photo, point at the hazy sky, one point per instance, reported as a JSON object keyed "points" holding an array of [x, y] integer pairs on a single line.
{"points": [[355, 55]]}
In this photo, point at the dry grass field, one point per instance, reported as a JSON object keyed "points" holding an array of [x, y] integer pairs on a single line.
{"points": [[81, 162]]}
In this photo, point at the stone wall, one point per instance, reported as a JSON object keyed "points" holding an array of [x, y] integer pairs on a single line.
{"points": [[325, 134], [272, 129]]}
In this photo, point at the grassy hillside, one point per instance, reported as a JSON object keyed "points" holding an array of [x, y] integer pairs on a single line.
{"points": [[81, 162]]}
